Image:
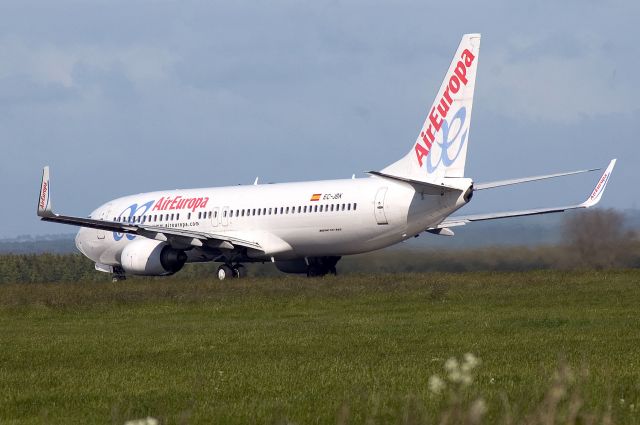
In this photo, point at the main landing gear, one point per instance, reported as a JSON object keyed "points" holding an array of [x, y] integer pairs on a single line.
{"points": [[228, 271], [322, 266]]}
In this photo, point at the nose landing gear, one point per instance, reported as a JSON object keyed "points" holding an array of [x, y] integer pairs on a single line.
{"points": [[118, 275]]}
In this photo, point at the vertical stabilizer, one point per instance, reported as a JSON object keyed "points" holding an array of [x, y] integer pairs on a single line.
{"points": [[441, 147]]}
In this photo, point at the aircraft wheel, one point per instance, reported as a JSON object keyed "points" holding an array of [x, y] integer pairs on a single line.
{"points": [[316, 271], [224, 272], [239, 271]]}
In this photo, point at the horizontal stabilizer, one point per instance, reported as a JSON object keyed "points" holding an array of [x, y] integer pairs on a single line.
{"points": [[420, 186]]}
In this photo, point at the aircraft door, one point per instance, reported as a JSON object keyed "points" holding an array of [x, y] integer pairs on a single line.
{"points": [[225, 216], [215, 219], [378, 206]]}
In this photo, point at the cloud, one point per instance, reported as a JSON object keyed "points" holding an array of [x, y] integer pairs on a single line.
{"points": [[553, 79], [70, 70]]}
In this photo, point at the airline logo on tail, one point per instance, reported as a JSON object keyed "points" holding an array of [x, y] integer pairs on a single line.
{"points": [[438, 116]]}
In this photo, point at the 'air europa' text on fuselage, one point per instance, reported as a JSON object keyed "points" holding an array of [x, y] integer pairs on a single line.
{"points": [[178, 203]]}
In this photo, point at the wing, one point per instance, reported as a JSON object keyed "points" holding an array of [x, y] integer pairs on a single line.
{"points": [[500, 183], [592, 200], [178, 238]]}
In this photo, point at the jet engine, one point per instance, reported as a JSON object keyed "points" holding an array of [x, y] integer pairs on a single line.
{"points": [[148, 257]]}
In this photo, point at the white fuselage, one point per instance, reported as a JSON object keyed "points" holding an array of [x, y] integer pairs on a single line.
{"points": [[287, 220]]}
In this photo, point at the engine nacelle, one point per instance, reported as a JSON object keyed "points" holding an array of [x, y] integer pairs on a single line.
{"points": [[292, 266], [151, 258]]}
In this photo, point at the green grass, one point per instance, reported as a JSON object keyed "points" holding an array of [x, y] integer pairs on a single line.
{"points": [[309, 351]]}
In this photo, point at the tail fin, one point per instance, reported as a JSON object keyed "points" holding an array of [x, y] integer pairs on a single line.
{"points": [[441, 147]]}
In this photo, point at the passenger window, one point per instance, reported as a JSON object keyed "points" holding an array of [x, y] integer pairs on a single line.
{"points": [[259, 210], [331, 207], [199, 215], [349, 207], [355, 206], [281, 210], [178, 216], [343, 207], [166, 217], [287, 210], [304, 209], [171, 217], [269, 211]]}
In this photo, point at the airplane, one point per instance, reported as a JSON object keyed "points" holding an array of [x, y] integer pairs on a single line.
{"points": [[305, 227]]}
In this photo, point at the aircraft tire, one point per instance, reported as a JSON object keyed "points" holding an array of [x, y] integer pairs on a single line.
{"points": [[239, 271], [224, 272]]}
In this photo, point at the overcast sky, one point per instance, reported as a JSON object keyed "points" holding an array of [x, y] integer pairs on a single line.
{"points": [[122, 97]]}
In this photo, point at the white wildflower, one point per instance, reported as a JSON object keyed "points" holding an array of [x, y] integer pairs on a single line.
{"points": [[144, 421], [455, 376], [466, 379], [622, 402], [477, 411], [470, 362], [492, 381], [451, 364], [436, 385]]}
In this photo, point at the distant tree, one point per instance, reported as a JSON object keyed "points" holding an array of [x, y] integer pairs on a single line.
{"points": [[598, 239]]}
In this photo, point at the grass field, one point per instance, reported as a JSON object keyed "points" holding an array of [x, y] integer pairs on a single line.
{"points": [[357, 349]]}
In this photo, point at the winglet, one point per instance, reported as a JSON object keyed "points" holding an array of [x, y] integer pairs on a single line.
{"points": [[44, 199], [595, 196]]}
